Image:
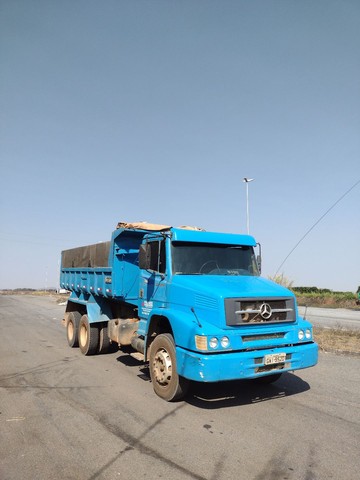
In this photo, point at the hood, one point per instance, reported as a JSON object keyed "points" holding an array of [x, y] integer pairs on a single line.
{"points": [[221, 286]]}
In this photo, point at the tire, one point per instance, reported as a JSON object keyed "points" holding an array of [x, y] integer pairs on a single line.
{"points": [[104, 340], [167, 384], [268, 379], [72, 328], [88, 336]]}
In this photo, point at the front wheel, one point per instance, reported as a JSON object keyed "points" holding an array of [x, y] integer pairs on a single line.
{"points": [[166, 382], [88, 336]]}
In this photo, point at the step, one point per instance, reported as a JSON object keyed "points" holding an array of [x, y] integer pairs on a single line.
{"points": [[138, 356]]}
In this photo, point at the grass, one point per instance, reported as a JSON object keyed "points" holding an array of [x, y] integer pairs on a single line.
{"points": [[318, 297], [327, 300]]}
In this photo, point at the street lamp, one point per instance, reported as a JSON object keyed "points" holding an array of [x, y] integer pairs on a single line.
{"points": [[247, 181]]}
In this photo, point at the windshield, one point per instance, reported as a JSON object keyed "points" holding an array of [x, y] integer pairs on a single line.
{"points": [[210, 259]]}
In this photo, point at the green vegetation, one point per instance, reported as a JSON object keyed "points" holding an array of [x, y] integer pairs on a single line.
{"points": [[322, 291]]}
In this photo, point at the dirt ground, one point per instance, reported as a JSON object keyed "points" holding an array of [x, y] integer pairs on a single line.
{"points": [[338, 340]]}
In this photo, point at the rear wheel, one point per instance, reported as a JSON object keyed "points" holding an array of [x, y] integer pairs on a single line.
{"points": [[166, 382], [104, 340], [72, 328], [88, 336]]}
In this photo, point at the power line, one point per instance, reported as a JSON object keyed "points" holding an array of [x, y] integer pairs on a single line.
{"points": [[318, 221]]}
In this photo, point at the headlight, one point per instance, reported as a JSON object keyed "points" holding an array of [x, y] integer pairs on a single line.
{"points": [[308, 333], [301, 335], [204, 343]]}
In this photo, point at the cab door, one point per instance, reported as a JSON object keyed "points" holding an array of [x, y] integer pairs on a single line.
{"points": [[152, 263]]}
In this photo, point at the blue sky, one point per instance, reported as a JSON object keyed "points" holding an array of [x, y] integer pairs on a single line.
{"points": [[156, 110]]}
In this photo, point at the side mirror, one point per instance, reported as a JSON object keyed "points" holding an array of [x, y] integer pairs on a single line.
{"points": [[144, 256], [258, 258], [258, 261]]}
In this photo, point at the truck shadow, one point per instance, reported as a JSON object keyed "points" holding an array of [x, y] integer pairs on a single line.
{"points": [[232, 393], [243, 392]]}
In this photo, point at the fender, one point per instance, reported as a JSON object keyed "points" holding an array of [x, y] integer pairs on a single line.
{"points": [[97, 308], [184, 326]]}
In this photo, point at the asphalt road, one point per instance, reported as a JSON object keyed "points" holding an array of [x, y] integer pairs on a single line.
{"points": [[332, 317], [66, 416]]}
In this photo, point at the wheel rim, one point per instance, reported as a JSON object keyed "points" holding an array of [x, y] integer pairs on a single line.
{"points": [[162, 367], [70, 330], [83, 335]]}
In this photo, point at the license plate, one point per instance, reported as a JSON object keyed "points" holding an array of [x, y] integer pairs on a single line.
{"points": [[274, 358]]}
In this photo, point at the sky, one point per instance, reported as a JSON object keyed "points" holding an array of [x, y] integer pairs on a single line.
{"points": [[155, 110]]}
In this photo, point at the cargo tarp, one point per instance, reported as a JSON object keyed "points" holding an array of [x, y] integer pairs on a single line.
{"points": [[90, 256], [152, 226], [143, 226]]}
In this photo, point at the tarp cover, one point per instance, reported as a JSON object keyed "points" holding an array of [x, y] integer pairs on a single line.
{"points": [[90, 256], [187, 227], [152, 226], [143, 226]]}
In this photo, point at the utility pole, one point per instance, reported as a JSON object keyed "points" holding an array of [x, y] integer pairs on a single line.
{"points": [[247, 181]]}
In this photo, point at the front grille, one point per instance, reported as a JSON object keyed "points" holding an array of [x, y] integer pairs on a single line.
{"points": [[247, 311], [254, 338]]}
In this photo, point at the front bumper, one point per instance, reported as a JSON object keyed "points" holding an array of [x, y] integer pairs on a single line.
{"points": [[217, 367]]}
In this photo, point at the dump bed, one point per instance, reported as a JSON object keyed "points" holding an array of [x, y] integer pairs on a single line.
{"points": [[108, 269]]}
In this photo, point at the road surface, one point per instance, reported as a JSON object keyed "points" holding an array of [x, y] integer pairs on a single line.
{"points": [[332, 317], [66, 416]]}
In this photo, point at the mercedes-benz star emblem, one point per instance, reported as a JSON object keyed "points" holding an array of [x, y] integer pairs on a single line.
{"points": [[265, 311]]}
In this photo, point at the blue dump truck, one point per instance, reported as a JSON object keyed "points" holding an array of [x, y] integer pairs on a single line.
{"points": [[189, 302]]}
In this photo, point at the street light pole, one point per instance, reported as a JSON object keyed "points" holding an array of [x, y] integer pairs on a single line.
{"points": [[247, 181]]}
